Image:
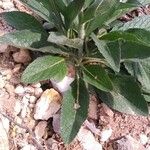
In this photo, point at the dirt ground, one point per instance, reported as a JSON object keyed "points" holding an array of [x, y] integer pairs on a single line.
{"points": [[17, 110]]}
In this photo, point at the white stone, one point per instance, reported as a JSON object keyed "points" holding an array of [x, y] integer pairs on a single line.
{"points": [[29, 147], [8, 5], [29, 89], [36, 85], [47, 105], [2, 83], [38, 92], [3, 47], [17, 108], [87, 140], [19, 90], [33, 99], [63, 85], [106, 134], [143, 139], [40, 129]]}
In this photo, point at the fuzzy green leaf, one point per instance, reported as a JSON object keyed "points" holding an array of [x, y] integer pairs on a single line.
{"points": [[141, 22], [41, 7], [126, 97], [141, 71], [96, 76], [71, 118], [60, 39], [109, 51], [43, 68], [72, 10], [22, 21]]}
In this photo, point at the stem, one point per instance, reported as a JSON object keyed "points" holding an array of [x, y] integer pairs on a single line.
{"points": [[89, 60]]}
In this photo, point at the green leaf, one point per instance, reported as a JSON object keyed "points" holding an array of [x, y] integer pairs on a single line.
{"points": [[22, 21], [60, 39], [133, 50], [106, 12], [72, 10], [41, 7], [43, 68], [126, 97], [141, 71], [96, 76], [110, 51], [147, 97], [132, 35], [24, 39], [71, 118], [141, 22]]}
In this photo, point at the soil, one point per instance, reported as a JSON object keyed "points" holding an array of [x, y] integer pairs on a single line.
{"points": [[21, 129]]}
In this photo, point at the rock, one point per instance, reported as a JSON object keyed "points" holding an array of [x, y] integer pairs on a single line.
{"points": [[87, 140], [93, 108], [106, 111], [4, 143], [40, 129], [17, 68], [63, 85], [52, 144], [38, 92], [2, 83], [36, 85], [106, 134], [10, 89], [91, 127], [19, 90], [29, 147], [31, 106], [17, 108], [22, 56], [25, 101], [5, 123], [3, 48], [143, 139], [56, 123], [47, 105], [29, 89], [7, 5], [32, 99], [127, 143]]}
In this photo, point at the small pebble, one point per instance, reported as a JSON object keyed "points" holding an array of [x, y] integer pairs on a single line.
{"points": [[8, 5], [17, 68], [33, 99], [37, 85], [2, 83], [143, 139], [31, 105], [106, 134], [38, 92], [17, 108], [19, 90], [29, 89]]}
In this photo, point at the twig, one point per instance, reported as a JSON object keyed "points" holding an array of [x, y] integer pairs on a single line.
{"points": [[37, 144]]}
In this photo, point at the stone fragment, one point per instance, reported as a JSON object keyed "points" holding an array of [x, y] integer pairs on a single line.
{"points": [[88, 140], [36, 85], [93, 108], [32, 99], [22, 56], [17, 68], [10, 89], [19, 90], [126, 143], [143, 138], [17, 107], [56, 123], [52, 144], [40, 129], [38, 92], [106, 111], [2, 83], [29, 89], [106, 134], [29, 147], [7, 5], [3, 48], [47, 105]]}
